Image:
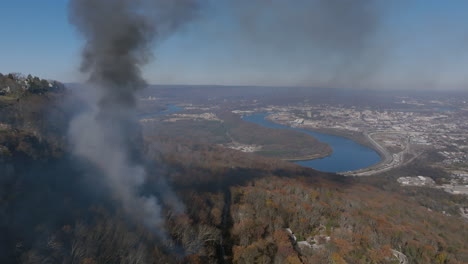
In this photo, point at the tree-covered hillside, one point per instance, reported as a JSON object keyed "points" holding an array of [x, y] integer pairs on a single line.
{"points": [[237, 207]]}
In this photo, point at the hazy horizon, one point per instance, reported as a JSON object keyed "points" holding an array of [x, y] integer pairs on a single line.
{"points": [[367, 44]]}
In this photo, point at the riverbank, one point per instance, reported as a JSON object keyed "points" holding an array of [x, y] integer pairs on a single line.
{"points": [[229, 130], [285, 144], [310, 157], [387, 161], [358, 137], [362, 139]]}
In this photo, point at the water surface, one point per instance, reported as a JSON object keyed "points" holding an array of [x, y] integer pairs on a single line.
{"points": [[347, 155]]}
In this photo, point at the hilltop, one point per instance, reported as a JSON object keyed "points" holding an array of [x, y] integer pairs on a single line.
{"points": [[16, 85]]}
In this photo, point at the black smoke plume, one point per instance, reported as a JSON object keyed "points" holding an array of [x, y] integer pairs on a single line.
{"points": [[119, 36]]}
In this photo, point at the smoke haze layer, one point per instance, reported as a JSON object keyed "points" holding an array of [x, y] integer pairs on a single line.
{"points": [[119, 35], [328, 40], [277, 42]]}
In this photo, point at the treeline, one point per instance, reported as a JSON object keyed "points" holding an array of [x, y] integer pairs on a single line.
{"points": [[15, 84]]}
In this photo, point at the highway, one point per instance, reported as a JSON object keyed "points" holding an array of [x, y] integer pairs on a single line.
{"points": [[388, 162]]}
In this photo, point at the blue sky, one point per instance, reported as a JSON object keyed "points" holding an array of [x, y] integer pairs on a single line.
{"points": [[418, 44]]}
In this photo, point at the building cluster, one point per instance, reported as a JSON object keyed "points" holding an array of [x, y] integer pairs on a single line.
{"points": [[243, 147], [446, 131], [355, 119], [15, 84], [194, 117], [416, 181], [403, 133], [180, 117], [454, 157]]}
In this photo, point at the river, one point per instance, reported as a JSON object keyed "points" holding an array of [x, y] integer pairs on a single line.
{"points": [[347, 155]]}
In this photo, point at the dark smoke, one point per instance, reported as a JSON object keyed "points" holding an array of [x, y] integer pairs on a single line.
{"points": [[336, 37], [330, 25], [119, 35]]}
